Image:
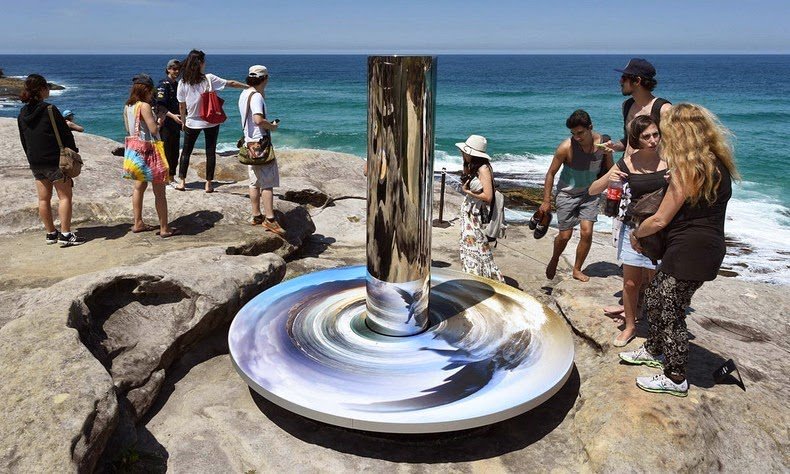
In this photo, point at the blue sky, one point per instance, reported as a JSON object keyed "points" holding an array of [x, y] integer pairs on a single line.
{"points": [[356, 26]]}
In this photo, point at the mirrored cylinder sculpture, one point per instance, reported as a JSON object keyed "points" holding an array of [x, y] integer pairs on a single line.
{"points": [[401, 106]]}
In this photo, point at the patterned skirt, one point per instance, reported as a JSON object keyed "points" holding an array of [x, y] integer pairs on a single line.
{"points": [[476, 255]]}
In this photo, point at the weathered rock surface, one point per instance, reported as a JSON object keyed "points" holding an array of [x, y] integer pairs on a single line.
{"points": [[718, 426], [79, 344]]}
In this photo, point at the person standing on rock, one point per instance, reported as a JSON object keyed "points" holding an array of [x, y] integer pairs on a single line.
{"points": [[691, 216], [581, 162], [194, 82], [263, 178], [477, 184], [170, 127], [43, 154], [140, 121], [644, 171]]}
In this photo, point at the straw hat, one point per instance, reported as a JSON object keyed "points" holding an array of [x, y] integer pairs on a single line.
{"points": [[475, 145]]}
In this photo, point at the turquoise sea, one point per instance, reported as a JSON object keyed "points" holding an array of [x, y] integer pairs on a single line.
{"points": [[518, 102]]}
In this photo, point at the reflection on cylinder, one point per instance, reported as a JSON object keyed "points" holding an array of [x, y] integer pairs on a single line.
{"points": [[401, 106]]}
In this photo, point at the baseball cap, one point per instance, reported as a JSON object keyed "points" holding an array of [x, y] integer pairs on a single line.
{"points": [[258, 71], [639, 67], [144, 79], [67, 113]]}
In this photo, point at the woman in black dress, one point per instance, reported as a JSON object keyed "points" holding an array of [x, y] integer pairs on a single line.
{"points": [[701, 164]]}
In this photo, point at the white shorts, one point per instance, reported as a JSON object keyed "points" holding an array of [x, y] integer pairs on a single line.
{"points": [[264, 176]]}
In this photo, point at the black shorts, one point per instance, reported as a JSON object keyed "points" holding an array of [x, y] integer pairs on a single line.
{"points": [[50, 174]]}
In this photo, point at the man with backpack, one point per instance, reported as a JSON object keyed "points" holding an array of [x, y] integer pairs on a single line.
{"points": [[638, 81]]}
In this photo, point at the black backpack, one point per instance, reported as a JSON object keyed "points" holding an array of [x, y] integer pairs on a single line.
{"points": [[655, 113]]}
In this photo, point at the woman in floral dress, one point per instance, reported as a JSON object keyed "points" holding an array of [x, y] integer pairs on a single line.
{"points": [[477, 183]]}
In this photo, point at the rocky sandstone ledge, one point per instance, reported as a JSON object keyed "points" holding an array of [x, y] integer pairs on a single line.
{"points": [[113, 355], [11, 87]]}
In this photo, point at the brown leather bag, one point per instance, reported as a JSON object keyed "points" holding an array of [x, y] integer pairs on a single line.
{"points": [[254, 153], [654, 245], [70, 161]]}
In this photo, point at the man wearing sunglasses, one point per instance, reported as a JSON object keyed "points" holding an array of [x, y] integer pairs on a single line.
{"points": [[638, 81], [170, 130]]}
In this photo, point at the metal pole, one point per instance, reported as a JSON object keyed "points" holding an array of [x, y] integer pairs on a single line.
{"points": [[401, 111], [441, 196]]}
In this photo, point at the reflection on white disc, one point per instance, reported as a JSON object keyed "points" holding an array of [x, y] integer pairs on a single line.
{"points": [[491, 352]]}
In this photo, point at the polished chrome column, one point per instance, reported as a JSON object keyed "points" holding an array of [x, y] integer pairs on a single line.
{"points": [[401, 110]]}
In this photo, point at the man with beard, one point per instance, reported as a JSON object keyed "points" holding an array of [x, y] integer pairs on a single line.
{"points": [[638, 81]]}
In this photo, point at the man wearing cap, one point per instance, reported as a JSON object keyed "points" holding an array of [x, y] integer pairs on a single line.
{"points": [[263, 178], [170, 130], [68, 115], [581, 161], [638, 81]]}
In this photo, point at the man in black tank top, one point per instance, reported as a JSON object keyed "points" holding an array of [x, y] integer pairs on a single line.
{"points": [[638, 81]]}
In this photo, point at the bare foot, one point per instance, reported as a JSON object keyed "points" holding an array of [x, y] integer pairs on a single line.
{"points": [[551, 268], [209, 187], [624, 337], [613, 310], [577, 274]]}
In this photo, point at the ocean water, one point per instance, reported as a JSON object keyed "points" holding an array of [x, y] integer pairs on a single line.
{"points": [[518, 102]]}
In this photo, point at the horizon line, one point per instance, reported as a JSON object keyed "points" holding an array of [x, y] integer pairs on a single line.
{"points": [[419, 52]]}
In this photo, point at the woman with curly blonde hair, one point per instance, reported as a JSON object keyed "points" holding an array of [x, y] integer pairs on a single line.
{"points": [[691, 216]]}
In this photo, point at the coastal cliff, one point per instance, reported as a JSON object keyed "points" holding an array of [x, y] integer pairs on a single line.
{"points": [[11, 87], [114, 353]]}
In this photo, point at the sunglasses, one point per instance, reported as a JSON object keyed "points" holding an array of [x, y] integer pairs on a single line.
{"points": [[646, 136]]}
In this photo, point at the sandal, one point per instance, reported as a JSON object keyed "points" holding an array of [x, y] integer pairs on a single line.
{"points": [[145, 228], [173, 231]]}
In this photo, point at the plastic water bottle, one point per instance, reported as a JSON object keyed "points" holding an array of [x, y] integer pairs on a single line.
{"points": [[613, 194]]}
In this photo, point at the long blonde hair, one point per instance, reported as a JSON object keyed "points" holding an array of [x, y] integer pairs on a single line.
{"points": [[693, 141]]}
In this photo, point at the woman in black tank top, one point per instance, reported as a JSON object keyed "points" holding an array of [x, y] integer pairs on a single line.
{"points": [[644, 171], [692, 215]]}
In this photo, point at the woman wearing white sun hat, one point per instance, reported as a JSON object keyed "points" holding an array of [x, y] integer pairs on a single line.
{"points": [[477, 183]]}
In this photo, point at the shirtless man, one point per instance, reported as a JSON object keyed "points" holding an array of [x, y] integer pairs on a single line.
{"points": [[638, 81], [581, 160]]}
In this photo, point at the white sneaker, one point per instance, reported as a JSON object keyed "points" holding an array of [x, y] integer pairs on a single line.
{"points": [[662, 384], [642, 357]]}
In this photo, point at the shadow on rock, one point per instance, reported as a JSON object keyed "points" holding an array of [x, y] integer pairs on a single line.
{"points": [[197, 222], [457, 446], [314, 246], [106, 232], [511, 282], [602, 269]]}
